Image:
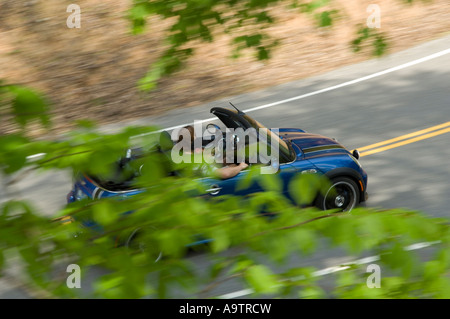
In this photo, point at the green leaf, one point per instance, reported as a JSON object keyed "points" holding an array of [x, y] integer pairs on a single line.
{"points": [[108, 282], [304, 188], [312, 292], [248, 178], [313, 5], [150, 80], [399, 258], [263, 53], [217, 268], [325, 18], [86, 124], [138, 15], [29, 105], [2, 262], [271, 182], [249, 40], [172, 242], [221, 240], [379, 45], [264, 17], [14, 152], [104, 213], [261, 279], [304, 239], [242, 264], [346, 278]]}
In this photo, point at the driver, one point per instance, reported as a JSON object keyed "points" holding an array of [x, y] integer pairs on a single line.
{"points": [[229, 170], [209, 170]]}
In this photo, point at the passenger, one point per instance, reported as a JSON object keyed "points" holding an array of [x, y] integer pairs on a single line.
{"points": [[205, 168]]}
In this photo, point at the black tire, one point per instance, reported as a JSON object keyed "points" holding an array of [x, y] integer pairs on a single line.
{"points": [[135, 245], [343, 194]]}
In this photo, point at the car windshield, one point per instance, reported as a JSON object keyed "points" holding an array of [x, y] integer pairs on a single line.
{"points": [[284, 148]]}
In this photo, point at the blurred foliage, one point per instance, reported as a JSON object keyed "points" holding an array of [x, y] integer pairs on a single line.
{"points": [[171, 213], [377, 40], [198, 21], [23, 104], [324, 18], [194, 21]]}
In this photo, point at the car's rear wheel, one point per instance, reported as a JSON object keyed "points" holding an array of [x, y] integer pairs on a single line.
{"points": [[136, 244], [343, 194]]}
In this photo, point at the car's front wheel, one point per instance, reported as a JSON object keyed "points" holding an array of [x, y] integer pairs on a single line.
{"points": [[343, 194]]}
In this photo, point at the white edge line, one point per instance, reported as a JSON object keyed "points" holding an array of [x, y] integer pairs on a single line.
{"points": [[335, 87], [362, 79], [330, 270], [299, 97], [35, 156]]}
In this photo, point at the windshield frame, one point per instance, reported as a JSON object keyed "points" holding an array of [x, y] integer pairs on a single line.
{"points": [[245, 121]]}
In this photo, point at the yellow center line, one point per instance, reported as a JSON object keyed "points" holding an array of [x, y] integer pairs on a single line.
{"points": [[409, 141], [403, 137]]}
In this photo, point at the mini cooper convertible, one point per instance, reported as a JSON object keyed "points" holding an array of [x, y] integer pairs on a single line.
{"points": [[299, 152]]}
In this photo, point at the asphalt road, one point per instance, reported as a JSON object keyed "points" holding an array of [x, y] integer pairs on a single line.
{"points": [[415, 175]]}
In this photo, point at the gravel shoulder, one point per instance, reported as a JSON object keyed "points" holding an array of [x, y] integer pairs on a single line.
{"points": [[91, 72]]}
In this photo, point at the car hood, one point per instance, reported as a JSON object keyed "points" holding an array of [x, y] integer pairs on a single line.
{"points": [[313, 145]]}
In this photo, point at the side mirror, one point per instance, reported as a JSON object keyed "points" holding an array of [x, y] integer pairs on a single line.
{"points": [[355, 154]]}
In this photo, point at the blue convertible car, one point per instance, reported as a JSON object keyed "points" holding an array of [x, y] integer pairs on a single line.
{"points": [[299, 152]]}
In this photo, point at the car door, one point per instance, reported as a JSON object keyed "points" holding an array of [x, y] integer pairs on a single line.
{"points": [[233, 186]]}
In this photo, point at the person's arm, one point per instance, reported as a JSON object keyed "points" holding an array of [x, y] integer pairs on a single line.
{"points": [[230, 171]]}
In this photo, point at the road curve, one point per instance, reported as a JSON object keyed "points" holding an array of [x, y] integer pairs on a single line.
{"points": [[414, 174]]}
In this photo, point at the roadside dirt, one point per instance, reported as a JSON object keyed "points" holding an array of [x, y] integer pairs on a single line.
{"points": [[91, 72]]}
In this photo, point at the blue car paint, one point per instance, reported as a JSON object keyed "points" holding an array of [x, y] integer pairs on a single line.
{"points": [[313, 153], [323, 162], [331, 157]]}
